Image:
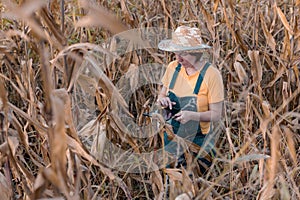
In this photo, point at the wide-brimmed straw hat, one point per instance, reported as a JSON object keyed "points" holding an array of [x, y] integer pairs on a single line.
{"points": [[184, 39]]}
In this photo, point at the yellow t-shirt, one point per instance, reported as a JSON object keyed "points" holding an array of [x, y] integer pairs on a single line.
{"points": [[211, 90]]}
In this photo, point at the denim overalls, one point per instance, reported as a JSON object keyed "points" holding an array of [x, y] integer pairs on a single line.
{"points": [[191, 130]]}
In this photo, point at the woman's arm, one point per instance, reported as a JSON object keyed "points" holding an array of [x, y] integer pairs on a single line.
{"points": [[212, 115]]}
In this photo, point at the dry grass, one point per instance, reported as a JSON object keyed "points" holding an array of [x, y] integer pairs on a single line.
{"points": [[58, 99]]}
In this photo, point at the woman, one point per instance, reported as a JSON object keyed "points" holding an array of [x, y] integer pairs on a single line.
{"points": [[196, 87]]}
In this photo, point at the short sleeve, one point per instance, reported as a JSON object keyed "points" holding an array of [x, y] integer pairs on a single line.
{"points": [[215, 88], [166, 79]]}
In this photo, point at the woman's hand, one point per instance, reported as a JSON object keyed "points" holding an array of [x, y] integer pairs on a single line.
{"points": [[184, 116], [166, 102]]}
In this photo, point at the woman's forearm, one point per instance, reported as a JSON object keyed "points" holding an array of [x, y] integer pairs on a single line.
{"points": [[207, 116]]}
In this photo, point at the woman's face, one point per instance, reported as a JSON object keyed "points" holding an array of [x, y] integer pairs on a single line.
{"points": [[186, 59]]}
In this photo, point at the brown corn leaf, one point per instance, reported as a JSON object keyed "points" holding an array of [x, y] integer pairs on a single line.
{"points": [[56, 180], [40, 127], [284, 189], [109, 88], [266, 109], [185, 196], [291, 144], [250, 157], [256, 68], [99, 17], [157, 184], [133, 75], [174, 174], [228, 134], [272, 165], [216, 4], [5, 189], [243, 77], [119, 126], [279, 74], [275, 152], [98, 145], [285, 92], [270, 63], [4, 149], [208, 19], [13, 143], [3, 95], [63, 95], [26, 12], [39, 185], [187, 183], [57, 137], [54, 28], [127, 14], [284, 21], [269, 38]]}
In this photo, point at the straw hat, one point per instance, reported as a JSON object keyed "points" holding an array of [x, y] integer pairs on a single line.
{"points": [[184, 39]]}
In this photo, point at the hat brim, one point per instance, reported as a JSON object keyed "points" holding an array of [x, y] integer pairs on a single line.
{"points": [[168, 45]]}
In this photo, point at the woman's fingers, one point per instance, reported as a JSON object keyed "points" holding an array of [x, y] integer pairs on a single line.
{"points": [[169, 103], [166, 102], [178, 116]]}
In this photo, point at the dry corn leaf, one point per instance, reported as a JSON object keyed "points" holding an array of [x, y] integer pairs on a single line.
{"points": [[5, 188], [185, 196], [256, 68], [266, 109], [187, 183], [208, 19], [98, 145], [109, 89], [283, 19], [63, 95], [174, 174], [268, 191], [126, 12], [279, 74], [57, 180], [13, 143], [157, 184], [286, 50], [133, 75], [230, 140], [53, 26], [121, 129], [284, 191], [40, 127], [291, 144], [269, 38], [39, 185], [275, 152], [216, 4], [99, 16], [251, 157], [3, 95], [270, 63], [26, 12], [58, 140], [4, 149], [243, 77]]}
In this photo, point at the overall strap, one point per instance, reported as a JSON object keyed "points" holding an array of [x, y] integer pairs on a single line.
{"points": [[200, 78], [177, 70]]}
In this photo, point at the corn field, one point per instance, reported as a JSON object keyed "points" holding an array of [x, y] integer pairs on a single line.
{"points": [[68, 76]]}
